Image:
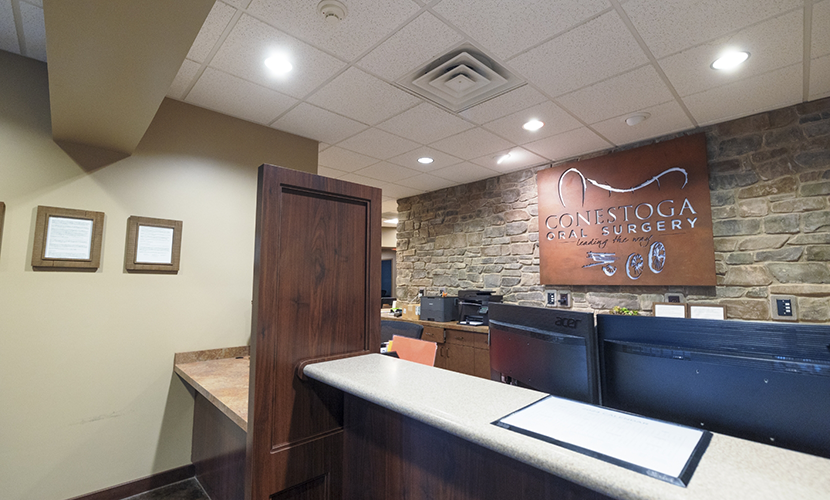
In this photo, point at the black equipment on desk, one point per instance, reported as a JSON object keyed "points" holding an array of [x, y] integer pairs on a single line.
{"points": [[767, 382], [443, 309], [473, 306], [550, 350]]}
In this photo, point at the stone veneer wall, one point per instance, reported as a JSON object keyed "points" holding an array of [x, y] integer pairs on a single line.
{"points": [[769, 177]]}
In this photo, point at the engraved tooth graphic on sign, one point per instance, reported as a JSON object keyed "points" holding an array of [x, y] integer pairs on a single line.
{"points": [[612, 189], [657, 257]]}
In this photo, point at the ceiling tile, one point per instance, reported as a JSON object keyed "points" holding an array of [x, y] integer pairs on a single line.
{"points": [[362, 97], [366, 23], [465, 172], [420, 41], [318, 124], [519, 158], [330, 172], [506, 28], [366, 181], [236, 97], [669, 26], [592, 52], [251, 41], [772, 44], [567, 145], [322, 146], [440, 159], [665, 118], [378, 144], [8, 31], [388, 172], [183, 79], [556, 121], [428, 183], [820, 77], [34, 30], [820, 45], [343, 159], [398, 191], [749, 96], [503, 105], [472, 144], [425, 123], [625, 93], [217, 20]]}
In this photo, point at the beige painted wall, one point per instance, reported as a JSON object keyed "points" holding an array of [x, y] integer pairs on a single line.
{"points": [[89, 399]]}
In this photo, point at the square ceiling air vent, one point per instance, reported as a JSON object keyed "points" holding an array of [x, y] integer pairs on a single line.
{"points": [[460, 79]]}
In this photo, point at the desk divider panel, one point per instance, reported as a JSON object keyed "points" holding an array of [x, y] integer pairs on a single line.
{"points": [[316, 296]]}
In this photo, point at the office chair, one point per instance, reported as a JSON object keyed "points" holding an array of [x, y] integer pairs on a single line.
{"points": [[400, 328]]}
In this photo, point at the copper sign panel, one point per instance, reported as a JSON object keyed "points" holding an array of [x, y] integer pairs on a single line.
{"points": [[638, 217]]}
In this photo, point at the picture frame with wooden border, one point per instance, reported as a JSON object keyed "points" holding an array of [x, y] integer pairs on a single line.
{"points": [[670, 310], [153, 245], [707, 311], [67, 239]]}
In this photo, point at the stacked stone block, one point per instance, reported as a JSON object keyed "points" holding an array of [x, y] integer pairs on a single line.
{"points": [[769, 179]]}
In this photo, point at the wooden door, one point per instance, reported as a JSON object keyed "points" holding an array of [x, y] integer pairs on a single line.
{"points": [[316, 295]]}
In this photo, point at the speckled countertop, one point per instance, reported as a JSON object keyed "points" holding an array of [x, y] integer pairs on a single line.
{"points": [[221, 376], [465, 406]]}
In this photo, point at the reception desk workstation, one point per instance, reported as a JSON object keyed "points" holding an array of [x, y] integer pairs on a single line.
{"points": [[329, 418], [403, 436]]}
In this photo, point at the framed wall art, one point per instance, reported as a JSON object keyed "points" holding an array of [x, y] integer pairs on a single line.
{"points": [[153, 245], [67, 239]]}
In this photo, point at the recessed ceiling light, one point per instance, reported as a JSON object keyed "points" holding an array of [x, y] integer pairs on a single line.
{"points": [[502, 158], [533, 125], [278, 65], [636, 118], [730, 60], [426, 160]]}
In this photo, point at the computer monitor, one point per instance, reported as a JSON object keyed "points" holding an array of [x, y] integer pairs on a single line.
{"points": [[767, 382], [550, 350]]}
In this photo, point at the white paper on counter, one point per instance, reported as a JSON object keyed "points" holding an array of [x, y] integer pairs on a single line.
{"points": [[647, 443]]}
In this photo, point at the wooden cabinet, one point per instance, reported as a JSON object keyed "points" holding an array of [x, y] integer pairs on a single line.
{"points": [[465, 352]]}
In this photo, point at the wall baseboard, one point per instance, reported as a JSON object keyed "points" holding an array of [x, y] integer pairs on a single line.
{"points": [[142, 485]]}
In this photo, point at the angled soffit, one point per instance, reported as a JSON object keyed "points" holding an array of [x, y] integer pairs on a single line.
{"points": [[111, 64]]}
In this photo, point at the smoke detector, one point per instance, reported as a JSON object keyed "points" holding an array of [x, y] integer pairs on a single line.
{"points": [[332, 10], [459, 79]]}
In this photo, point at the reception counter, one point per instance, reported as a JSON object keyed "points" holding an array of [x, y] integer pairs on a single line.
{"points": [[380, 389], [730, 468]]}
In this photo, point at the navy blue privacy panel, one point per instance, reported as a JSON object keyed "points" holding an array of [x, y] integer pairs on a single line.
{"points": [[759, 381], [549, 350]]}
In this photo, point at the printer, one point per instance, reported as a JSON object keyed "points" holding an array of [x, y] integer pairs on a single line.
{"points": [[443, 309], [473, 306]]}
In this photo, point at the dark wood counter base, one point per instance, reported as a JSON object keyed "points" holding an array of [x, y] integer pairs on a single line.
{"points": [[388, 455]]}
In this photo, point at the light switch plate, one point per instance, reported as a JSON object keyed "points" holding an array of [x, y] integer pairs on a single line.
{"points": [[783, 307]]}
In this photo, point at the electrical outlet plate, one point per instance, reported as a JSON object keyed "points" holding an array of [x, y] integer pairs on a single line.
{"points": [[563, 298], [783, 307], [550, 298]]}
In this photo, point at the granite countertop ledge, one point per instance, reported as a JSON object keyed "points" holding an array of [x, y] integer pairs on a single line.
{"points": [[221, 376], [465, 406]]}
